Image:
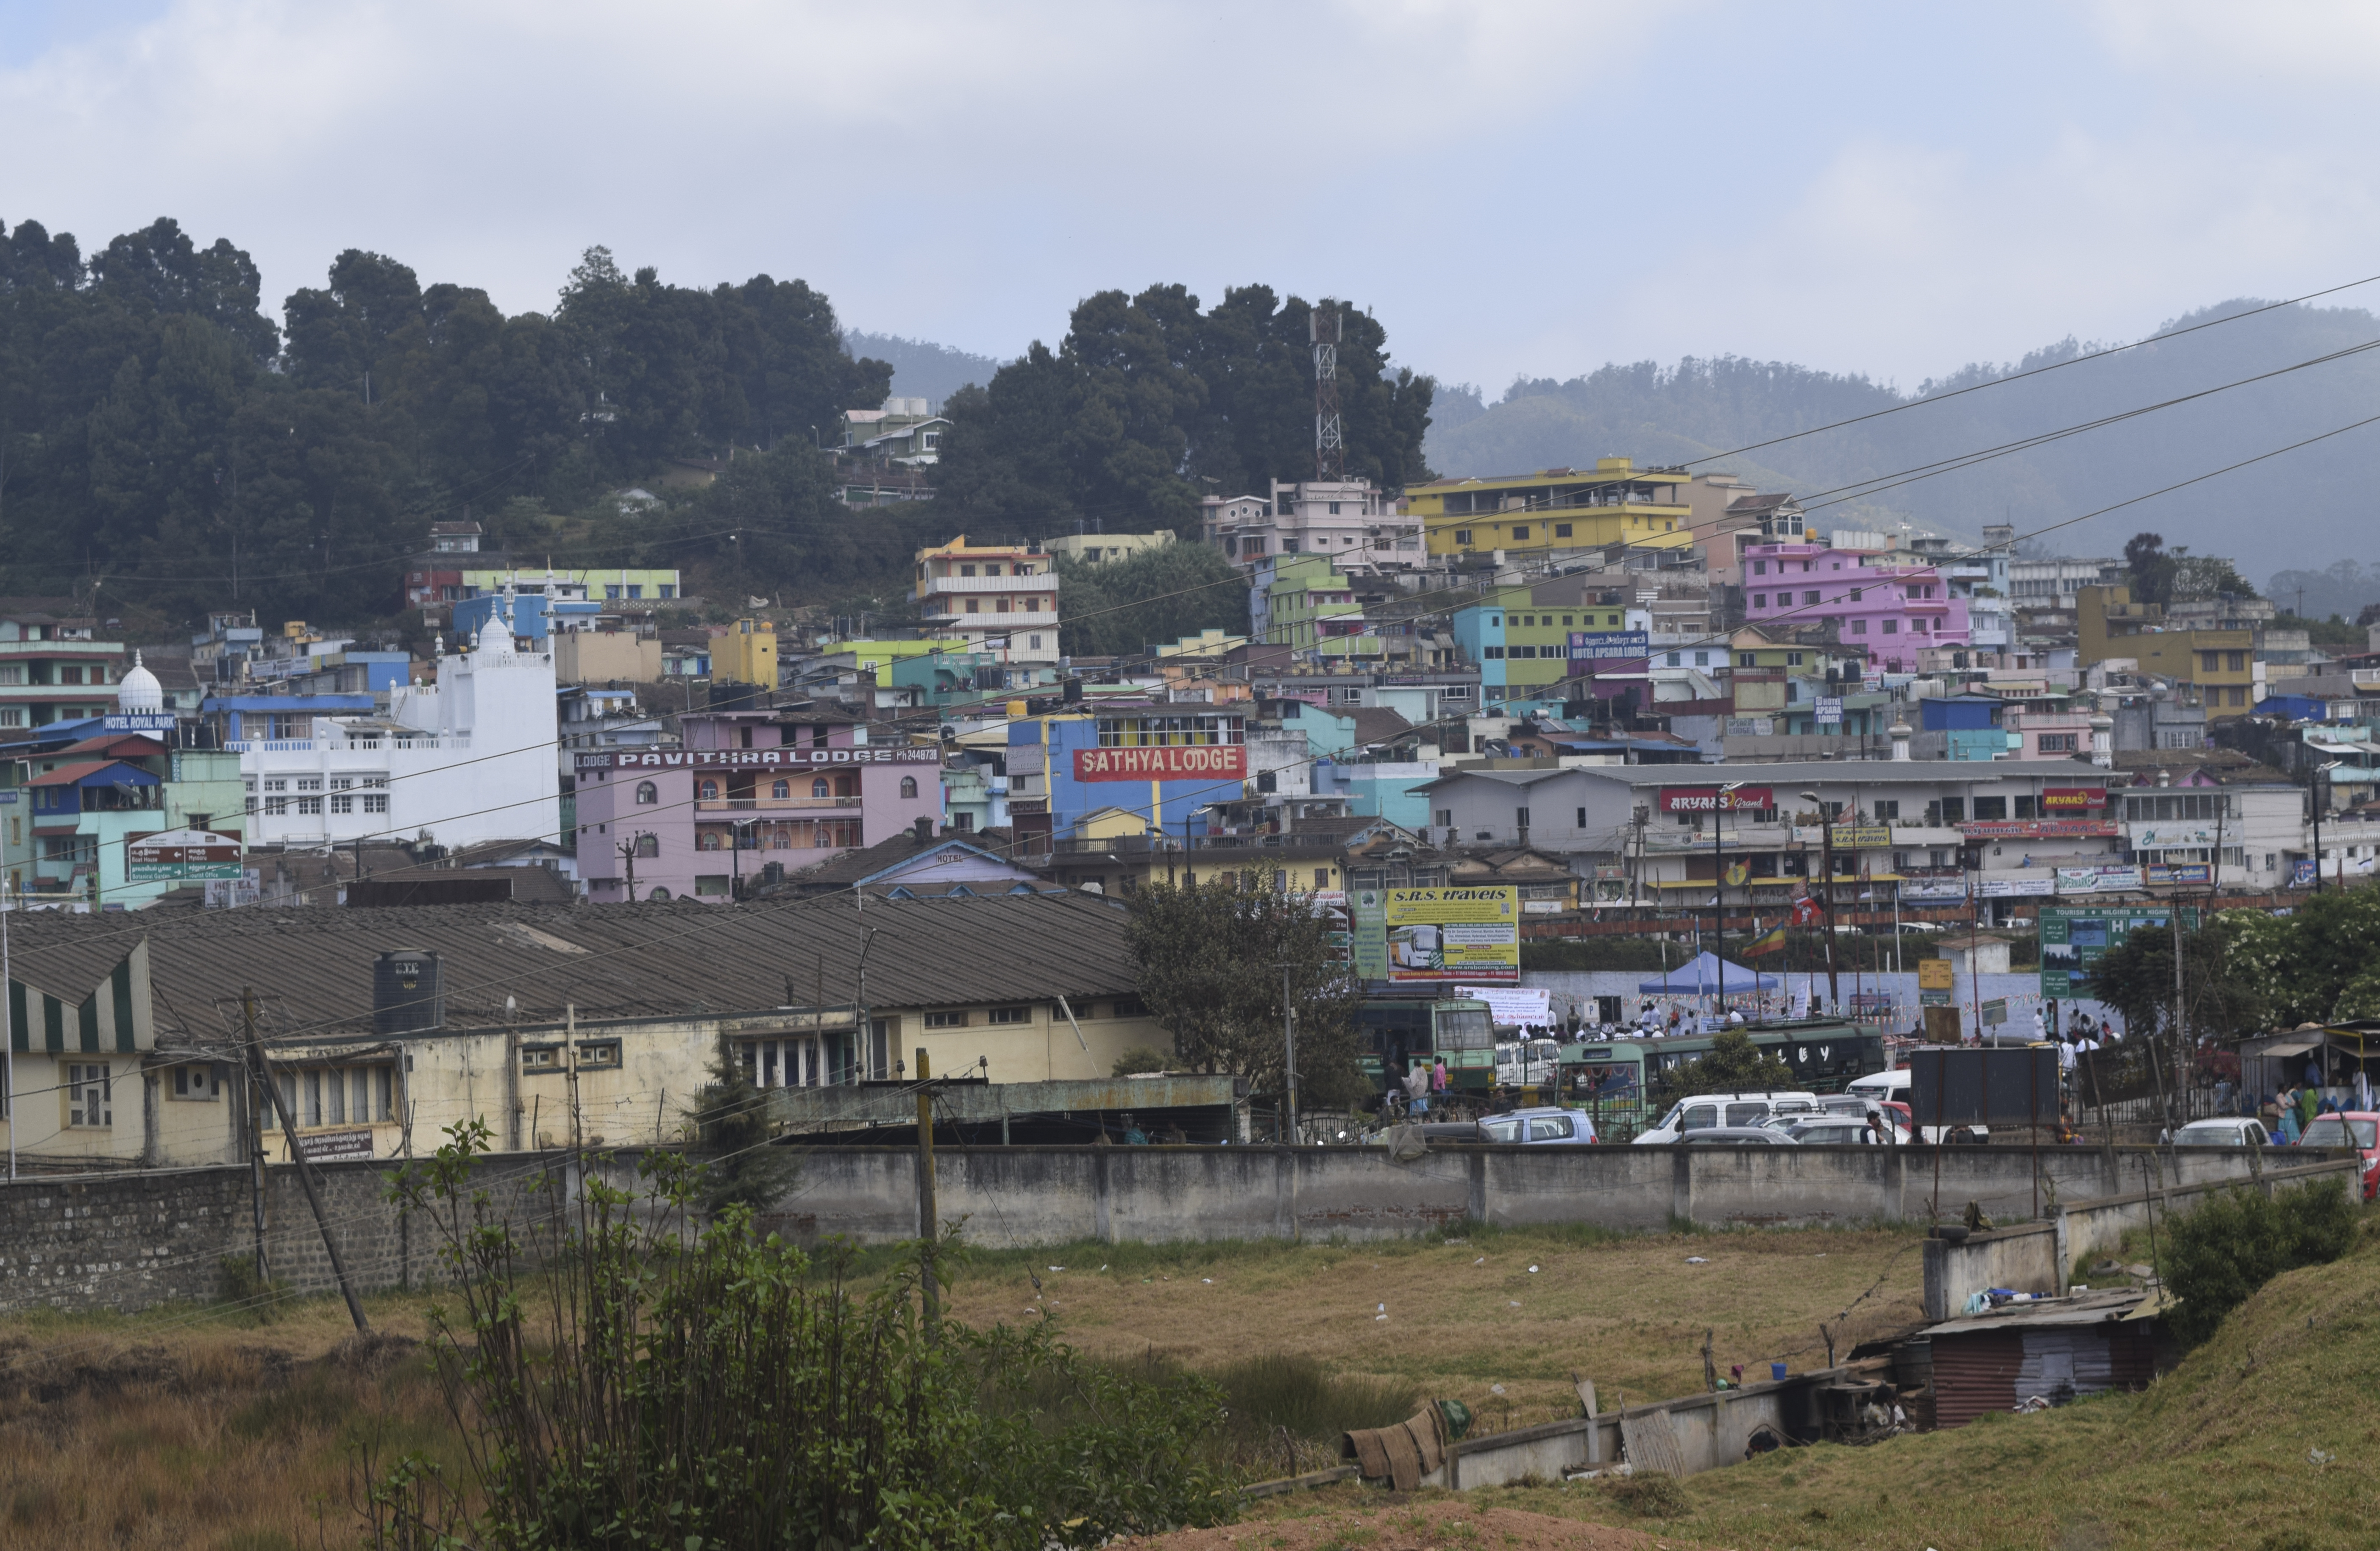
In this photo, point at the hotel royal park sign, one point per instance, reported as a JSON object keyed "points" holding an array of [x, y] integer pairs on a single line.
{"points": [[1172, 762], [753, 758]]}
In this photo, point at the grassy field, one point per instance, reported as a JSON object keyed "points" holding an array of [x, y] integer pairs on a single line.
{"points": [[2264, 1439]]}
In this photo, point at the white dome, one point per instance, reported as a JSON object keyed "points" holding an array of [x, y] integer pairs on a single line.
{"points": [[138, 690]]}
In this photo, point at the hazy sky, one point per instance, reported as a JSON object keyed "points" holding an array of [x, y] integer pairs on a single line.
{"points": [[1511, 186]]}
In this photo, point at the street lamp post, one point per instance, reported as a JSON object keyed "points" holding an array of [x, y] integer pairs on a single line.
{"points": [[1827, 888], [1719, 804]]}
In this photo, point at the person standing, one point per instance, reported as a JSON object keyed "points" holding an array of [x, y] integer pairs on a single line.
{"points": [[1417, 1088], [2309, 1105], [2288, 1104]]}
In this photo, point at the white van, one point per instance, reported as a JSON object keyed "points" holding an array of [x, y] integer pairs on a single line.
{"points": [[1705, 1110], [1893, 1088]]}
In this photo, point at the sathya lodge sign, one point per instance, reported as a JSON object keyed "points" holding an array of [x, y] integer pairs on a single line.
{"points": [[1172, 762]]}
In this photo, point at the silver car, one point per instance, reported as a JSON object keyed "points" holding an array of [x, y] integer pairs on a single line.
{"points": [[1543, 1126], [1737, 1136]]}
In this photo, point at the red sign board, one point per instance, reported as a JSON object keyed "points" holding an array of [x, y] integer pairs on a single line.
{"points": [[1177, 762], [1709, 799], [2072, 799]]}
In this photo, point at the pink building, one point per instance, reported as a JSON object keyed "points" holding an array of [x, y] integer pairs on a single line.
{"points": [[748, 789], [1891, 612]]}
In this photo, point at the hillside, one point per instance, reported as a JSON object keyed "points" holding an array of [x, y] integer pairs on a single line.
{"points": [[2307, 509]]}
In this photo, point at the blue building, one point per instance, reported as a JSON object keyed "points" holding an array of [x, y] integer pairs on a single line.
{"points": [[1043, 763]]}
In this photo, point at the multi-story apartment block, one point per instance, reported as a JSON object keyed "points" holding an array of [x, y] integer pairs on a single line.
{"points": [[2219, 663], [1890, 611], [1099, 548], [1305, 602], [54, 668], [1555, 509], [1356, 524], [2057, 583], [1001, 599], [465, 759], [747, 789]]}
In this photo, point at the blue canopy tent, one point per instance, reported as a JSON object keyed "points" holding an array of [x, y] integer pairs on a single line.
{"points": [[1705, 974]]}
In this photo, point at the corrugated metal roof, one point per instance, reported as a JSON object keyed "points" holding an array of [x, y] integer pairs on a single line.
{"points": [[315, 964]]}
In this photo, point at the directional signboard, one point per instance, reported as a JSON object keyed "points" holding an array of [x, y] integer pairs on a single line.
{"points": [[182, 854]]}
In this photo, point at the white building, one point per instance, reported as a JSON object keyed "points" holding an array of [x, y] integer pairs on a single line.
{"points": [[1358, 527], [468, 760], [1001, 599]]}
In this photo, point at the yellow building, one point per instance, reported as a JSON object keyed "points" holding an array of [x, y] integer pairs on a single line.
{"points": [[2221, 664], [747, 654], [1097, 549], [1614, 502]]}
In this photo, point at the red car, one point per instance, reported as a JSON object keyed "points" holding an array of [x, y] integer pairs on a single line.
{"points": [[2332, 1131]]}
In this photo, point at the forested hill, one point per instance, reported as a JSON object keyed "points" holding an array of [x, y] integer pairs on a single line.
{"points": [[165, 444], [2307, 508]]}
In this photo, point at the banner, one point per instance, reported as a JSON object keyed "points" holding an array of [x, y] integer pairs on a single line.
{"points": [[1915, 889], [2037, 829], [2014, 888], [1829, 709], [2072, 799], [755, 759], [1609, 646], [1451, 935], [2195, 872], [2098, 880], [2152, 837], [1863, 837], [1710, 799], [2302, 873], [1173, 762]]}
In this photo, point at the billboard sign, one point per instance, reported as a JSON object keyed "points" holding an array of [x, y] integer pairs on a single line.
{"points": [[1863, 837], [1368, 917], [2037, 829], [1610, 646], [1936, 887], [2072, 799], [2014, 888], [1830, 710], [1173, 762], [1449, 936], [2157, 837], [2184, 872], [756, 758], [330, 1146], [2074, 937], [179, 856], [1984, 1086], [1711, 799], [2302, 873], [2098, 880]]}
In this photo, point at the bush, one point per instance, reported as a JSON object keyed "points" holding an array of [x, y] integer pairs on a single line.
{"points": [[2216, 1257], [1280, 1390], [1649, 1497], [622, 1379]]}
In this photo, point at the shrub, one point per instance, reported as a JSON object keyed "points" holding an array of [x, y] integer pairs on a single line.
{"points": [[1649, 1497], [622, 1379], [2217, 1256], [1281, 1390]]}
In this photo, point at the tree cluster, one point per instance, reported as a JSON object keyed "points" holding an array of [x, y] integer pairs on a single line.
{"points": [[1210, 956], [1149, 403], [1157, 596], [2218, 1256], [2320, 963], [165, 443], [2171, 577], [1734, 1064]]}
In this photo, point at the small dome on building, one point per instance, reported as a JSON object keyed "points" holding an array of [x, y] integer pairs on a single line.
{"points": [[138, 690]]}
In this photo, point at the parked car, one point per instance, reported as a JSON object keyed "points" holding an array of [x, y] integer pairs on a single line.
{"points": [[1892, 1087], [1439, 1133], [2332, 1131], [1736, 1136], [1837, 1131], [1544, 1125], [1706, 1110], [2228, 1131], [1527, 1063], [1859, 1107]]}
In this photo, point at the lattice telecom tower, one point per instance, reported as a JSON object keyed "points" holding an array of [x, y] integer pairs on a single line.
{"points": [[1330, 444]]}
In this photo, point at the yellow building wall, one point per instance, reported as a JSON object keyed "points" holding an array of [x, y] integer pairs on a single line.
{"points": [[746, 654]]}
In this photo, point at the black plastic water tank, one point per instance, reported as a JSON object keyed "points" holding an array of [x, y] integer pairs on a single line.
{"points": [[408, 994]]}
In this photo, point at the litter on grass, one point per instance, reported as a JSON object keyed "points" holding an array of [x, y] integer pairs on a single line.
{"points": [[1696, 1260]]}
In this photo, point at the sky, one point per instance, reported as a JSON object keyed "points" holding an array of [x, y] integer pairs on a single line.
{"points": [[1513, 187]]}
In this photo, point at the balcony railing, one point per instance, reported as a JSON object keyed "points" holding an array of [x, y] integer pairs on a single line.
{"points": [[771, 805]]}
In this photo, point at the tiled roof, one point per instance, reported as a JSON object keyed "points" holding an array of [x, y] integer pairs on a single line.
{"points": [[313, 965]]}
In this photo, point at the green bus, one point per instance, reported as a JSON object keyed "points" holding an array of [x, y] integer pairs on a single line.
{"points": [[1612, 1079], [1457, 1030]]}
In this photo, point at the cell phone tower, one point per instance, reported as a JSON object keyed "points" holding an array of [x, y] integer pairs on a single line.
{"points": [[1329, 442]]}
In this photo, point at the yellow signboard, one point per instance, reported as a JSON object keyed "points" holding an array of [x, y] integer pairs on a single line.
{"points": [[1861, 837], [1446, 935], [1932, 974]]}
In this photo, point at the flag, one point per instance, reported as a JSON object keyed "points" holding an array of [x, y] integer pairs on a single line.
{"points": [[1769, 941], [1805, 909], [1737, 872]]}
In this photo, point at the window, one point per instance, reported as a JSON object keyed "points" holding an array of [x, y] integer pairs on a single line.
{"points": [[595, 1053], [90, 1096], [648, 846], [1954, 810], [1322, 877], [309, 806], [1859, 628], [819, 788], [707, 841], [956, 1020], [1887, 811], [2207, 660], [1462, 536], [1991, 808], [343, 802], [1446, 818], [706, 789], [376, 802], [540, 1058], [2061, 743], [1675, 659], [1521, 817], [908, 786], [1892, 627], [197, 1083], [710, 883], [1562, 531], [780, 790], [1760, 600], [1492, 651], [1792, 660], [1011, 1015], [1812, 597], [310, 783], [1746, 660]]}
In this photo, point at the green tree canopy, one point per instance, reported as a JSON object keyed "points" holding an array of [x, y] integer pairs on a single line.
{"points": [[1209, 956], [1150, 402], [1734, 1064], [1157, 596]]}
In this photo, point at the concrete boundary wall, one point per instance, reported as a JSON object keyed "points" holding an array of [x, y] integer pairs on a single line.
{"points": [[2040, 1258], [134, 1239]]}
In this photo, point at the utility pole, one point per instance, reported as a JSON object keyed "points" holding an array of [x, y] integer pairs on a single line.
{"points": [[1720, 801], [256, 1137], [8, 1046], [926, 1216], [1289, 1052], [2313, 789], [1827, 884], [305, 1169]]}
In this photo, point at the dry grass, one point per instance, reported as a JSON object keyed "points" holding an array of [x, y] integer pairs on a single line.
{"points": [[188, 1430], [1466, 1314]]}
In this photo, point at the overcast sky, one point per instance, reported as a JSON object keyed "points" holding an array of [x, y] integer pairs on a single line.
{"points": [[1513, 187]]}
